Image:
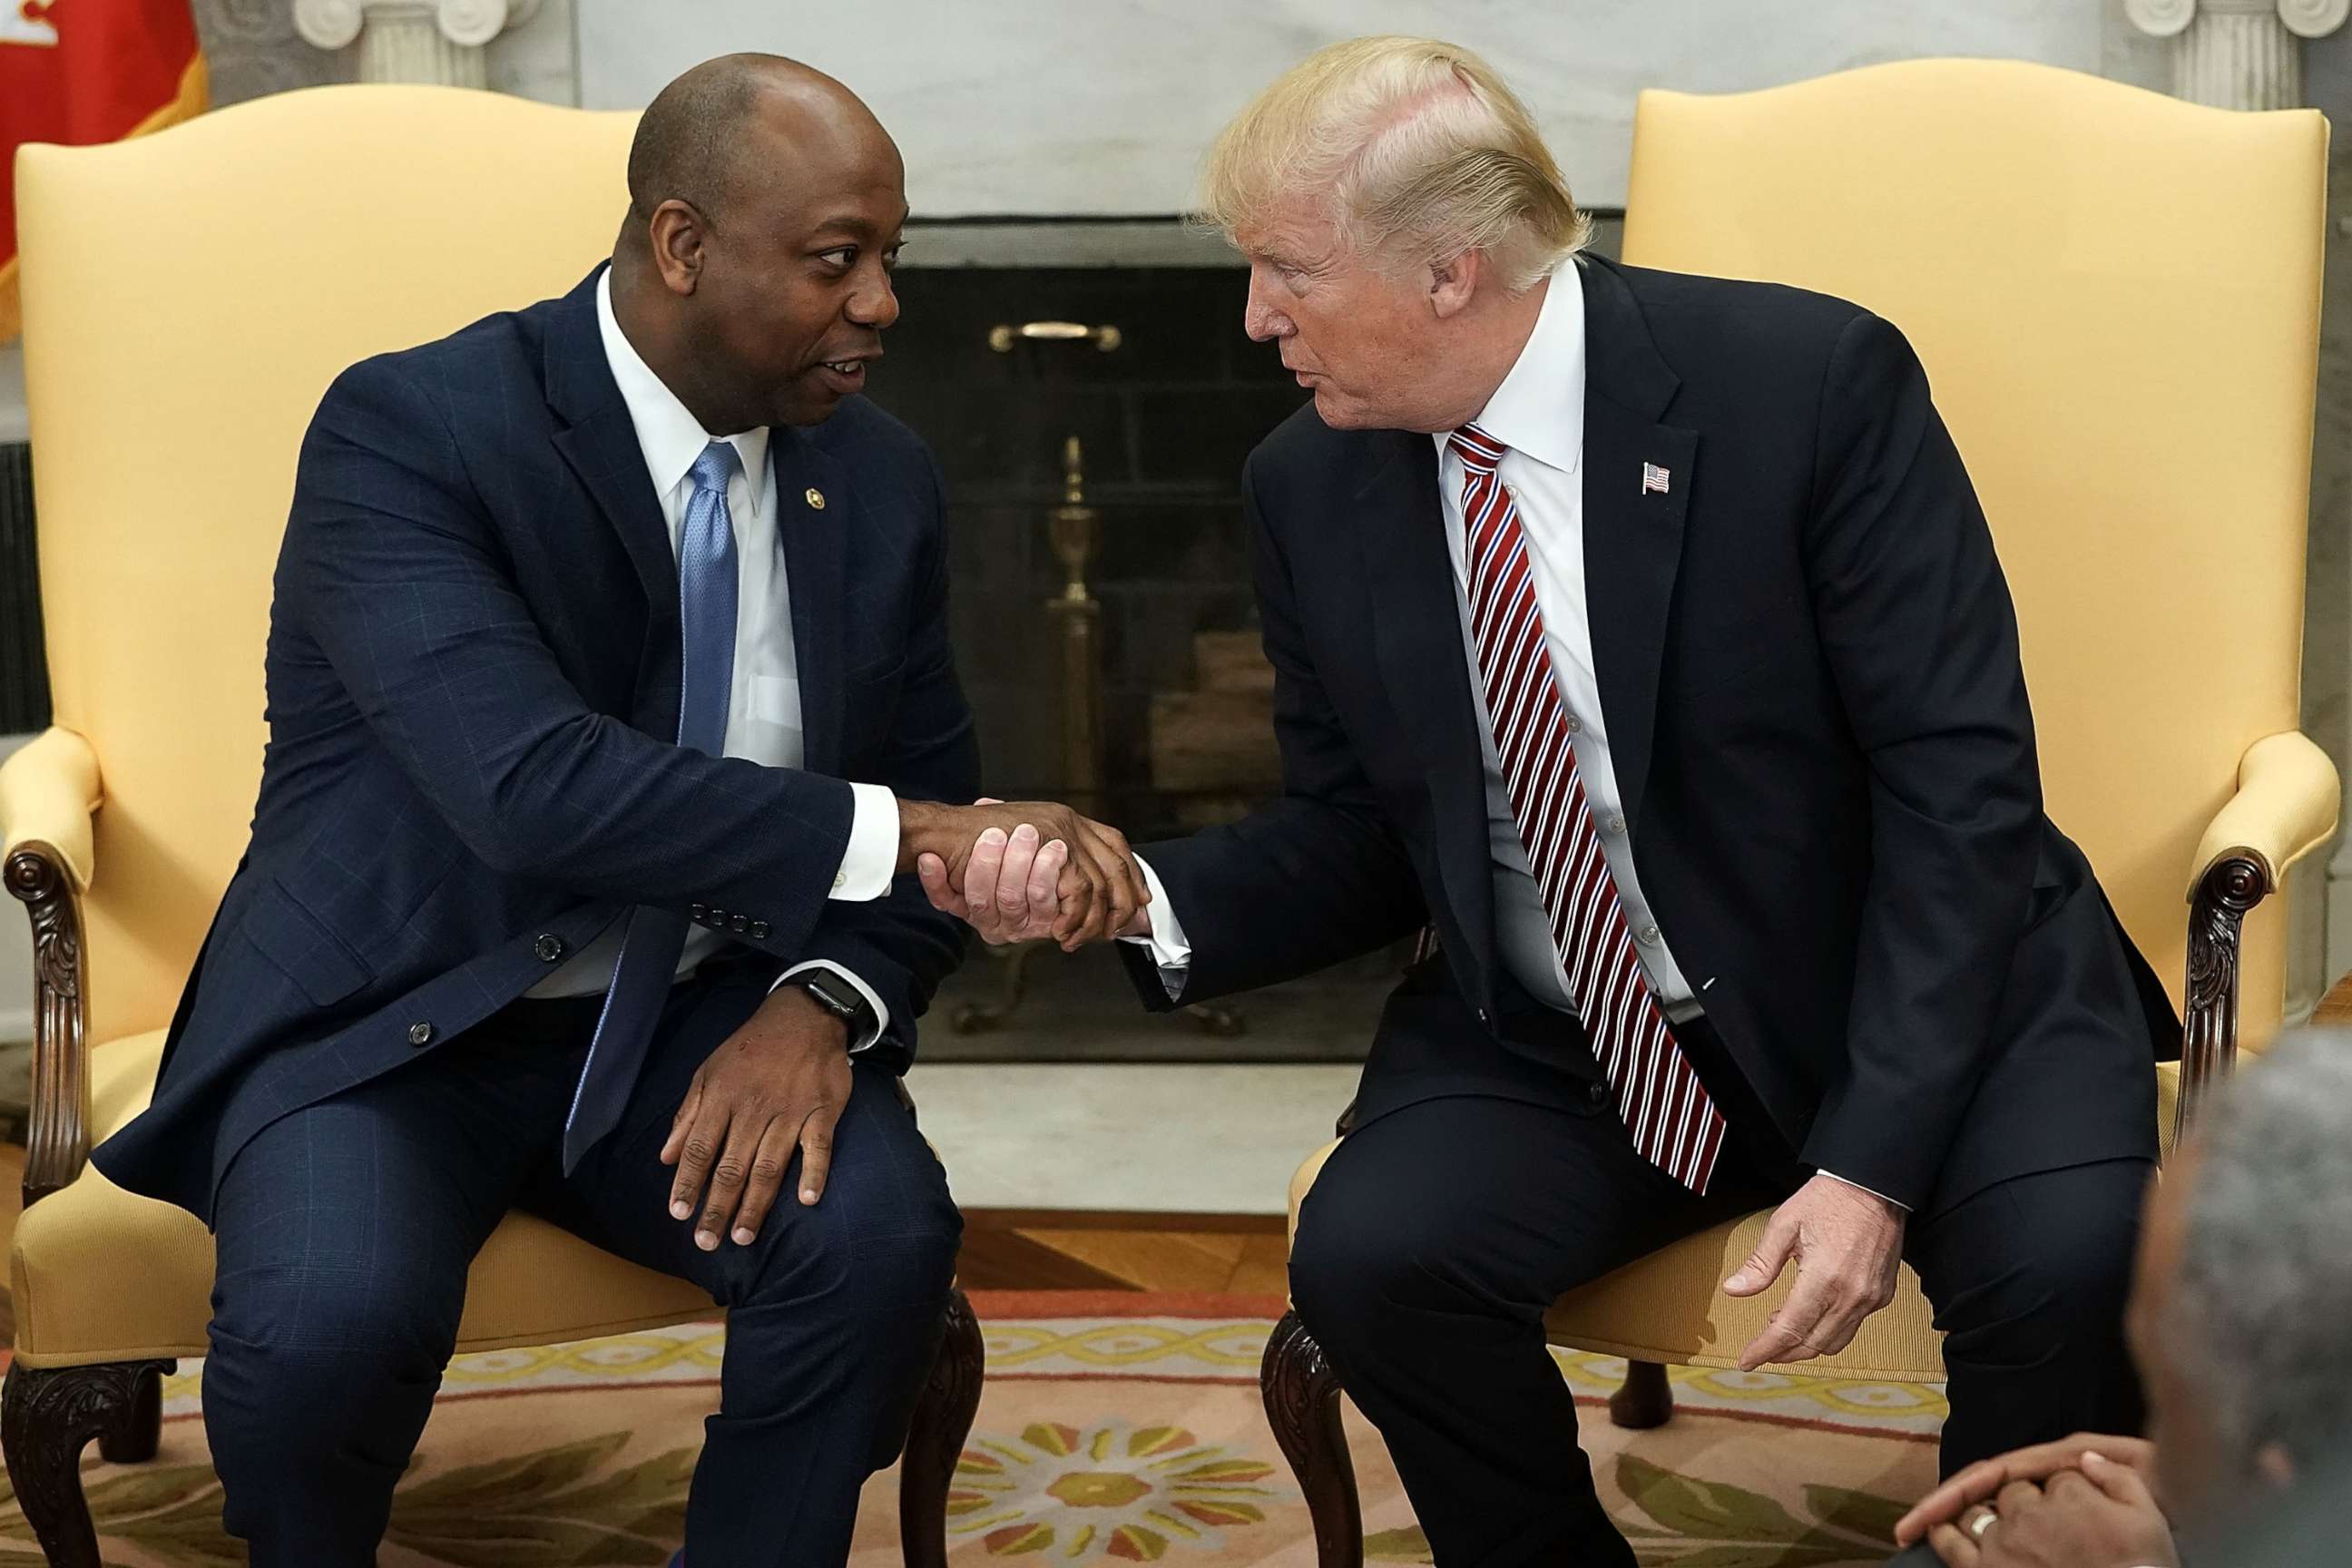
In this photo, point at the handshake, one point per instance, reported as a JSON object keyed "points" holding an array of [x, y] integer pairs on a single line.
{"points": [[1025, 870]]}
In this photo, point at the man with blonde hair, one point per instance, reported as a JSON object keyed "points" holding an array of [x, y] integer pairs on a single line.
{"points": [[1640, 637]]}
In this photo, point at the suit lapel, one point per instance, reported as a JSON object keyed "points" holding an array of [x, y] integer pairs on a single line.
{"points": [[598, 439], [815, 570], [1633, 530], [1417, 630]]}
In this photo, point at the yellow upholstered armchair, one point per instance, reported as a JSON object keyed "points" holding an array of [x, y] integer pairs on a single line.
{"points": [[2117, 296], [187, 297]]}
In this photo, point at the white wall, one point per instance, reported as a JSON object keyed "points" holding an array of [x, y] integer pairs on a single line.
{"points": [[1061, 107]]}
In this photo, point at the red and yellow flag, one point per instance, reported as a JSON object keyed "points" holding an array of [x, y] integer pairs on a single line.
{"points": [[80, 72]]}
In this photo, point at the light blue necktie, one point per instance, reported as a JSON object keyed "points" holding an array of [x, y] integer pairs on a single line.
{"points": [[707, 590]]}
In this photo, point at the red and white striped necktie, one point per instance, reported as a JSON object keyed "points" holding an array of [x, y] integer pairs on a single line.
{"points": [[1675, 1125]]}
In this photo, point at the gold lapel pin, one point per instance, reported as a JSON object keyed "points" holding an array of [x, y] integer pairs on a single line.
{"points": [[815, 498]]}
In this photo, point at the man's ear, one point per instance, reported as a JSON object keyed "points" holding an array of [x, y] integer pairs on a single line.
{"points": [[1451, 283], [677, 233], [2275, 1466]]}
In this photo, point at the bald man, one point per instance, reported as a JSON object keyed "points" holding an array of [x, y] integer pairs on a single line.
{"points": [[609, 693]]}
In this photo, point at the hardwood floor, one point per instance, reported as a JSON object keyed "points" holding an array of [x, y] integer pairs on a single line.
{"points": [[1027, 1249]]}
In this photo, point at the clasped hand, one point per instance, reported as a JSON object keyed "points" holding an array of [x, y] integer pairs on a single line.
{"points": [[1028, 870]]}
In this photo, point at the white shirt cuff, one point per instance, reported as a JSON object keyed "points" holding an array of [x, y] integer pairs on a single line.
{"points": [[881, 1014], [872, 857], [1170, 949], [1857, 1186]]}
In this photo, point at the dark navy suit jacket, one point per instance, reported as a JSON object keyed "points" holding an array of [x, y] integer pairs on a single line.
{"points": [[1818, 718], [472, 687]]}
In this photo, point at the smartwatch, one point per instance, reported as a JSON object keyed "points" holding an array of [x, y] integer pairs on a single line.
{"points": [[840, 998]]}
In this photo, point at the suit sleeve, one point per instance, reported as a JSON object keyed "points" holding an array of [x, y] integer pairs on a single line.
{"points": [[1317, 875], [391, 568], [899, 945], [1921, 639]]}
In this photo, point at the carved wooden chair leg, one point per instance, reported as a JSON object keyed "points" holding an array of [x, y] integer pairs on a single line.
{"points": [[47, 1416], [935, 1441], [1302, 1404], [1644, 1400], [141, 1432]]}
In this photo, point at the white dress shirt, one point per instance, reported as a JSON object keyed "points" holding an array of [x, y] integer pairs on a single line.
{"points": [[1538, 414], [764, 706]]}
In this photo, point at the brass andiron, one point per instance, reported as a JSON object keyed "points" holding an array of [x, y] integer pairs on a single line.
{"points": [[1074, 528]]}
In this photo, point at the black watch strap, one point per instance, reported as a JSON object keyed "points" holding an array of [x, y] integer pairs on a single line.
{"points": [[840, 998]]}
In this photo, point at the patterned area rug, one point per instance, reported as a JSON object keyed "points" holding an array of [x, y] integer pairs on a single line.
{"points": [[1115, 1428]]}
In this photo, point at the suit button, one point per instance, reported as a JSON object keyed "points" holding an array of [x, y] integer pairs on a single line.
{"points": [[1486, 1017], [697, 911], [760, 930], [420, 1033], [1598, 1092], [549, 947], [739, 923]]}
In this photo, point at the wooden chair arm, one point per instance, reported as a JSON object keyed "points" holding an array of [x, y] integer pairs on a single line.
{"points": [[56, 1136], [49, 792]]}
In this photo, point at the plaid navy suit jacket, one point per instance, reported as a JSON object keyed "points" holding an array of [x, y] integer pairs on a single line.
{"points": [[473, 673]]}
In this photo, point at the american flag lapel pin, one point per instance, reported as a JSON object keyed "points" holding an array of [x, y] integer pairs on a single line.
{"points": [[1654, 479]]}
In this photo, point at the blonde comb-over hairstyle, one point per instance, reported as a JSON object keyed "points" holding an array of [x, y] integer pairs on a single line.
{"points": [[1422, 153]]}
